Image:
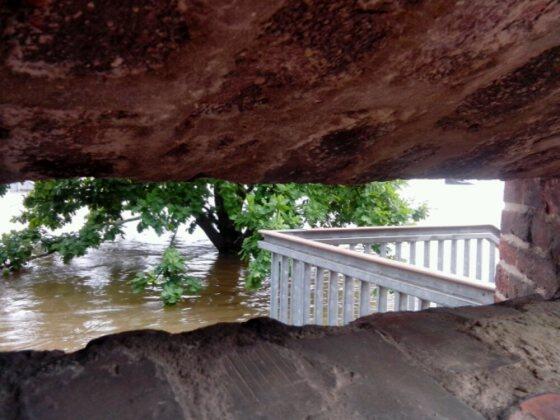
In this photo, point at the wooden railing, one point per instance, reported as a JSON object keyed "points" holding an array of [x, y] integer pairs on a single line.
{"points": [[333, 276]]}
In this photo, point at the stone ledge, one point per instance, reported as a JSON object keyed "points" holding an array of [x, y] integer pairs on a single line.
{"points": [[454, 363]]}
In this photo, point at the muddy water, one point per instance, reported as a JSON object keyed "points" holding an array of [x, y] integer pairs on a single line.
{"points": [[57, 306]]}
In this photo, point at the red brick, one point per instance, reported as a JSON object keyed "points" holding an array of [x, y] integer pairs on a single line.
{"points": [[512, 286], [518, 224], [540, 262], [541, 231]]}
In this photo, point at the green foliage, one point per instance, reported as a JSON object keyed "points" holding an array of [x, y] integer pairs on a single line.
{"points": [[170, 275], [230, 214]]}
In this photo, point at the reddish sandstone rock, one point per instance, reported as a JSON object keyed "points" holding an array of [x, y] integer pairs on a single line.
{"points": [[461, 363], [337, 91]]}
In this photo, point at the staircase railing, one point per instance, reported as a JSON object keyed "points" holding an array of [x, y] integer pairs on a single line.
{"points": [[332, 276]]}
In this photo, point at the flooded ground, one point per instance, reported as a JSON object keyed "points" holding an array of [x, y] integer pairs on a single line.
{"points": [[57, 306], [51, 305]]}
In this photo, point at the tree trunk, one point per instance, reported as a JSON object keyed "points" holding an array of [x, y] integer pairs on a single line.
{"points": [[220, 229]]}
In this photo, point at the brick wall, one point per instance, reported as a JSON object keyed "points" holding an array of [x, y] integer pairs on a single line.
{"points": [[530, 242]]}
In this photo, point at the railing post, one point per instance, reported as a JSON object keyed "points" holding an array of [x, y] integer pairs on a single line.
{"points": [[383, 250], [479, 259], [365, 296], [440, 249], [319, 279], [454, 256], [284, 288], [274, 285], [348, 314], [333, 298], [382, 295], [412, 252], [424, 304], [403, 302], [398, 250], [297, 293], [467, 258], [306, 285], [427, 254], [492, 263]]}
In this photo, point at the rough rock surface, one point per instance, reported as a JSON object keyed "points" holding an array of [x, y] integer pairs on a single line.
{"points": [[306, 90], [530, 239], [447, 363]]}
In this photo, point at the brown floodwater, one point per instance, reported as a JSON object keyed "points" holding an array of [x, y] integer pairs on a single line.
{"points": [[51, 305]]}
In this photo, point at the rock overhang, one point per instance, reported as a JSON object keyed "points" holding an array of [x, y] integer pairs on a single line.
{"points": [[309, 91]]}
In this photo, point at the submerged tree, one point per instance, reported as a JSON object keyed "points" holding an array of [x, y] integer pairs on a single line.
{"points": [[230, 215]]}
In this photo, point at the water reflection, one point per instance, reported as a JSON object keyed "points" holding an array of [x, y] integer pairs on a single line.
{"points": [[52, 305]]}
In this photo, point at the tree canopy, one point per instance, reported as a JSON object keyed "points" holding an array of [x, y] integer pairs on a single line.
{"points": [[230, 215]]}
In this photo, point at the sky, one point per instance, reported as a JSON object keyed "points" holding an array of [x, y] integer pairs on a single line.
{"points": [[479, 203]]}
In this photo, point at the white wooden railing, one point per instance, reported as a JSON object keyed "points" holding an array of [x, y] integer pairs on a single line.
{"points": [[332, 276]]}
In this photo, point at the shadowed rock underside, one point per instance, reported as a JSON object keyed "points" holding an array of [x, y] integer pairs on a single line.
{"points": [[292, 90]]}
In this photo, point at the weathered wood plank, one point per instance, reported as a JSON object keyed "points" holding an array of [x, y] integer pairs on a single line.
{"points": [[274, 285], [382, 299], [492, 264], [479, 259], [319, 281], [297, 293], [440, 254], [424, 304], [348, 314], [467, 258], [306, 284], [383, 250], [454, 256], [284, 289], [333, 298], [403, 302], [365, 298]]}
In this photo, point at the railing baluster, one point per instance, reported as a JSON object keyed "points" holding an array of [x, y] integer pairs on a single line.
{"points": [[454, 256], [382, 296], [284, 288], [348, 314], [295, 259], [319, 279], [492, 263], [333, 298], [274, 285], [306, 285], [427, 254], [479, 259], [297, 293], [383, 250], [396, 301], [352, 247], [365, 297], [403, 302], [440, 249], [467, 258]]}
